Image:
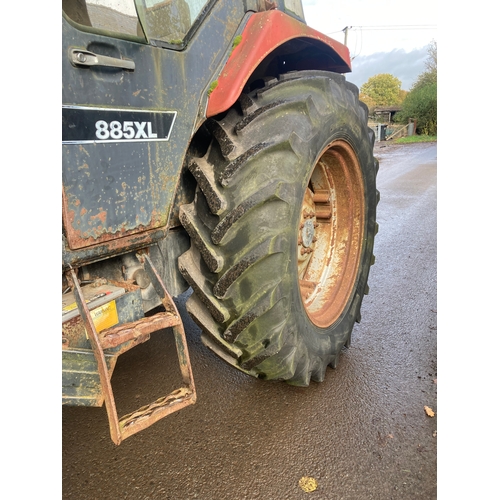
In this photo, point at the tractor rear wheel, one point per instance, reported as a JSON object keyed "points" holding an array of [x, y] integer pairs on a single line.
{"points": [[282, 227]]}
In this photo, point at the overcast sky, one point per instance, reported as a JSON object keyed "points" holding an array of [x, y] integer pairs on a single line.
{"points": [[388, 36]]}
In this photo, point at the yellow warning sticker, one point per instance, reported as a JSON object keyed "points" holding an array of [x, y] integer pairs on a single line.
{"points": [[71, 307], [105, 316]]}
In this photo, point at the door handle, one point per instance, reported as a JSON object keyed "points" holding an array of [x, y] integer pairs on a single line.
{"points": [[85, 58]]}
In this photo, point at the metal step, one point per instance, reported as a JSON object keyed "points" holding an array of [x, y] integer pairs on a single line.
{"points": [[122, 428]]}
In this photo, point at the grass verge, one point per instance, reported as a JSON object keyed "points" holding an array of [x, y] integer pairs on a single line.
{"points": [[416, 138]]}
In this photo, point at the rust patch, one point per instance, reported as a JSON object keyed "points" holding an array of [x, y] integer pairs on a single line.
{"points": [[128, 286], [73, 333], [114, 246], [101, 216], [78, 239]]}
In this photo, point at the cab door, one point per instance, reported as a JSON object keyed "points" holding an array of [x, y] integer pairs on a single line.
{"points": [[118, 172]]}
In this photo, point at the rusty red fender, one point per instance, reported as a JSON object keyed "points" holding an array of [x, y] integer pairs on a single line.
{"points": [[264, 32]]}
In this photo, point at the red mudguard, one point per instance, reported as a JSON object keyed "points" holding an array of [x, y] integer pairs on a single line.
{"points": [[264, 32]]}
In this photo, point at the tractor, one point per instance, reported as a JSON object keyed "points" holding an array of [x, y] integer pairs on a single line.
{"points": [[211, 145]]}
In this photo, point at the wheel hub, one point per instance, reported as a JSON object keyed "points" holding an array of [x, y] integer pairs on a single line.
{"points": [[307, 233], [330, 234]]}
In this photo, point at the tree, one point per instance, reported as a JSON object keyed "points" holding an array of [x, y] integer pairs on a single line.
{"points": [[421, 105], [429, 76], [402, 95], [421, 102], [383, 90], [432, 63]]}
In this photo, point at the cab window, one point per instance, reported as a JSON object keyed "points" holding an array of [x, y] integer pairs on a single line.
{"points": [[160, 21]]}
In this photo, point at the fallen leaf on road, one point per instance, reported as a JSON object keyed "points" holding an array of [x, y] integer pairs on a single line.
{"points": [[429, 411], [308, 484]]}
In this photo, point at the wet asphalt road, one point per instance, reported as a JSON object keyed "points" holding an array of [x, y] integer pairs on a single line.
{"points": [[362, 433]]}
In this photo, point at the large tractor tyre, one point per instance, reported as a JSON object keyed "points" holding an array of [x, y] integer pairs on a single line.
{"points": [[282, 227]]}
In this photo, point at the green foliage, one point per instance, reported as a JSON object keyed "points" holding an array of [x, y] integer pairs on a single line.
{"points": [[421, 105], [213, 86], [411, 139], [236, 42], [421, 102], [382, 90]]}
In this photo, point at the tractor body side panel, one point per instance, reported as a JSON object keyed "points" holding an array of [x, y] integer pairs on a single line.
{"points": [[118, 181]]}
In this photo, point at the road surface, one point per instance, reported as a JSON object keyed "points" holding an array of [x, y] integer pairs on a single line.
{"points": [[363, 433]]}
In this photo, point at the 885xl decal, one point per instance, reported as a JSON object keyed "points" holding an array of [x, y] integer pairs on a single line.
{"points": [[86, 125]]}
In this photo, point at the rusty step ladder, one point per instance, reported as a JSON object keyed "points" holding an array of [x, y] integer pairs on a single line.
{"points": [[122, 428]]}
